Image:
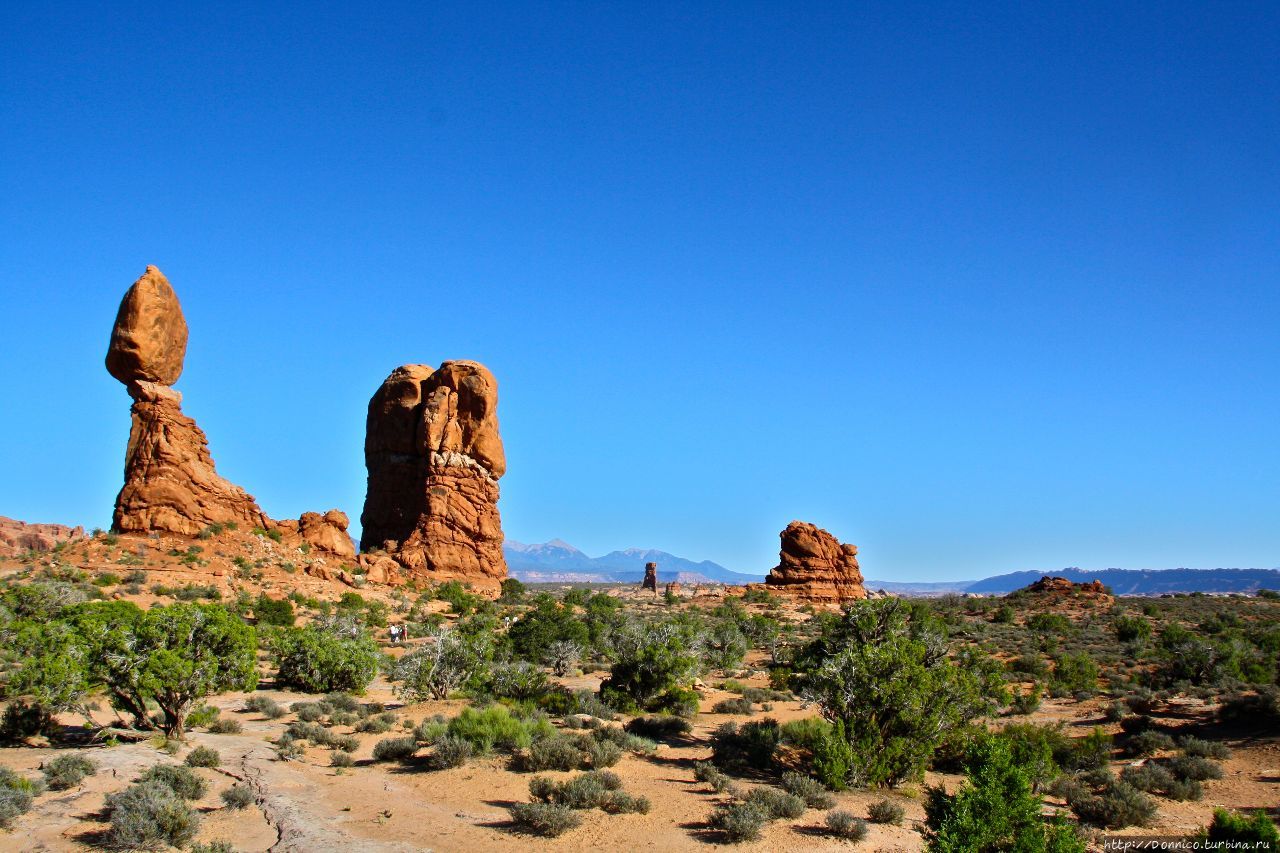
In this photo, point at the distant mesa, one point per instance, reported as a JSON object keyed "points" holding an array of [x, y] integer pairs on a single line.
{"points": [[814, 566], [170, 483], [434, 457]]}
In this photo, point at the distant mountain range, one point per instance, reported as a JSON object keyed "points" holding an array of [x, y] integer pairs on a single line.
{"points": [[559, 562]]}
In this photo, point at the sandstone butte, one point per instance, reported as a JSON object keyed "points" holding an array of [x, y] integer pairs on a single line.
{"points": [[1051, 587], [814, 566], [434, 458], [170, 484]]}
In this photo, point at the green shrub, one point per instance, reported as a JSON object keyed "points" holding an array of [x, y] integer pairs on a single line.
{"points": [[266, 706], [273, 611], [1193, 768], [705, 771], [846, 826], [774, 803], [1116, 805], [1075, 674], [834, 759], [563, 752], [1089, 752], [148, 815], [183, 781], [341, 758], [620, 802], [996, 809], [739, 822], [395, 749], [1148, 743], [238, 796], [750, 746], [1233, 826], [68, 771], [601, 754], [451, 751], [810, 790], [313, 660], [544, 818], [16, 795], [882, 672], [203, 756], [660, 727], [885, 811], [224, 726], [1198, 748], [733, 706], [489, 728]]}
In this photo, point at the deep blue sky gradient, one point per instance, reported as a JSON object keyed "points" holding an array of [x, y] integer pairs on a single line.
{"points": [[979, 287]]}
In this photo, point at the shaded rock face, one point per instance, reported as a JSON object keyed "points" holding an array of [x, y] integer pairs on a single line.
{"points": [[650, 577], [434, 457], [170, 483], [18, 537], [814, 566]]}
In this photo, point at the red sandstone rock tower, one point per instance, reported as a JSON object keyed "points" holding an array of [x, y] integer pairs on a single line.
{"points": [[434, 457], [814, 566], [170, 483]]}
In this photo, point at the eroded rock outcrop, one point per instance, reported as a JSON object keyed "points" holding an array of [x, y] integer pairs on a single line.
{"points": [[1049, 587], [814, 566], [18, 537], [170, 483], [434, 457]]}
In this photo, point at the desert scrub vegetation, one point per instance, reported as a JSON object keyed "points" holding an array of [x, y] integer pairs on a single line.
{"points": [[845, 825], [551, 811], [16, 795], [238, 796], [149, 814], [882, 676], [68, 771], [315, 660]]}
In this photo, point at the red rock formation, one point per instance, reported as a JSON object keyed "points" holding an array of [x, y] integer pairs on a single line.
{"points": [[170, 483], [18, 537], [1054, 586], [814, 566], [434, 458], [650, 577]]}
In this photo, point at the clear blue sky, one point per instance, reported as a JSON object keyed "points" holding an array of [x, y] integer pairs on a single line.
{"points": [[978, 287]]}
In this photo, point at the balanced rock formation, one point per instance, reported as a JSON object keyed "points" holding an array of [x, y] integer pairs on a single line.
{"points": [[814, 566], [434, 457], [170, 483], [17, 537]]}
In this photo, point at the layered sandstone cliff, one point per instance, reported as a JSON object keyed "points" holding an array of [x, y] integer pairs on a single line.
{"points": [[816, 567]]}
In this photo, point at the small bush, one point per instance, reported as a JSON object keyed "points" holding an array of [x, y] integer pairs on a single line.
{"points": [[266, 706], [1116, 806], [1197, 748], [203, 756], [238, 796], [1232, 826], [810, 790], [490, 727], [733, 706], [844, 825], [739, 822], [705, 771], [150, 815], [341, 759], [885, 811], [659, 727], [1148, 743], [394, 749], [16, 794], [620, 802], [775, 803], [227, 726], [751, 746], [563, 752], [1189, 767], [68, 771], [544, 818], [601, 754], [183, 781], [308, 712], [451, 751]]}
